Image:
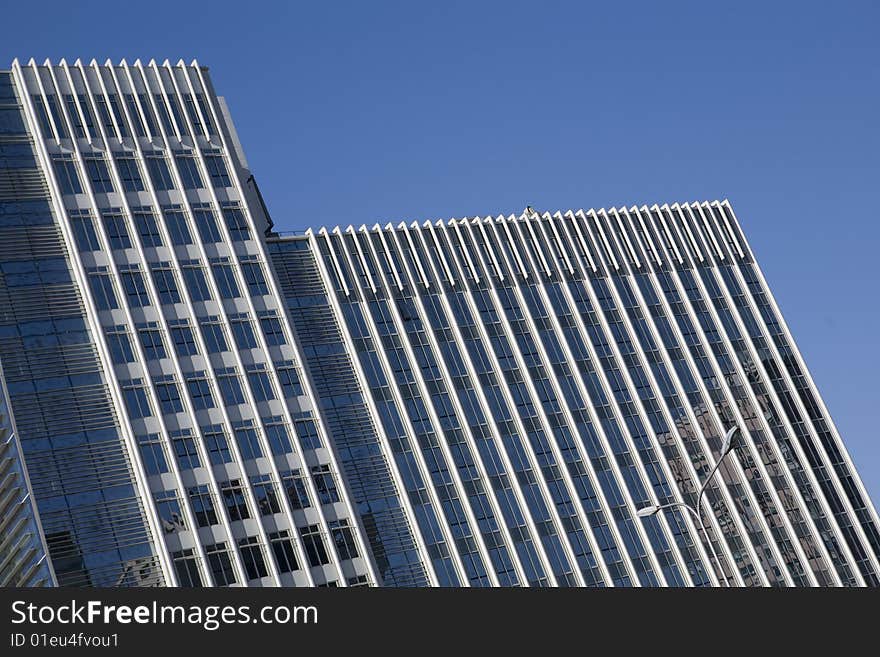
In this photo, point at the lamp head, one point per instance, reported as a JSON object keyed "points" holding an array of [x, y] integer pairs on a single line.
{"points": [[728, 439], [646, 511]]}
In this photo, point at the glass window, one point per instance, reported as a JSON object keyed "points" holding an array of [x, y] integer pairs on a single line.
{"points": [[135, 288], [217, 170], [148, 114], [85, 234], [243, 331], [230, 389], [206, 223], [43, 116], [196, 283], [86, 108], [189, 172], [166, 285], [21, 273], [290, 382], [130, 174], [325, 484], [168, 395], [74, 116], [279, 438], [11, 121], [104, 114], [153, 454], [266, 495], [35, 272], [7, 88], [206, 114], [248, 443], [295, 487], [313, 542], [168, 510], [148, 228], [178, 117], [152, 343], [117, 231], [55, 109], [273, 331], [184, 341], [99, 175], [186, 451], [120, 116], [236, 224], [68, 178], [202, 503], [284, 551], [136, 401], [193, 113], [358, 580], [252, 557], [175, 222], [255, 278], [308, 434], [214, 337], [159, 173], [102, 290], [187, 568], [200, 393], [220, 563], [164, 115], [224, 276], [17, 155], [343, 538], [261, 386], [134, 115], [217, 445], [119, 344], [235, 500]]}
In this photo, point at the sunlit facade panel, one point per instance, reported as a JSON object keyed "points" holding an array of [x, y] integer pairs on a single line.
{"points": [[543, 377]]}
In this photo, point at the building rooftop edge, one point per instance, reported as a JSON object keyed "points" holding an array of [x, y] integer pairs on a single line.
{"points": [[124, 62], [527, 213]]}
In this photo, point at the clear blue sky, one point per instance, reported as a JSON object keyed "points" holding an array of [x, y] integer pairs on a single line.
{"points": [[381, 111]]}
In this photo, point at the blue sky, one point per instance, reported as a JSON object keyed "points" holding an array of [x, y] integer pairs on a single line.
{"points": [[384, 111]]}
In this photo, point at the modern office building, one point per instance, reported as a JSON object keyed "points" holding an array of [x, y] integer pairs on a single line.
{"points": [[154, 384], [533, 400]]}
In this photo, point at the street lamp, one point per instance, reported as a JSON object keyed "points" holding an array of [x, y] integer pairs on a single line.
{"points": [[651, 509]]}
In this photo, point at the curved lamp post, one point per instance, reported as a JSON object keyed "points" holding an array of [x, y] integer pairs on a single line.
{"points": [[651, 509]]}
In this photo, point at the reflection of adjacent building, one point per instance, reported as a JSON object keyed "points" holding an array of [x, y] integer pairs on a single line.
{"points": [[137, 572]]}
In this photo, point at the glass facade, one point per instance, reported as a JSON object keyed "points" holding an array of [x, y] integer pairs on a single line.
{"points": [[22, 547], [79, 468], [23, 550], [198, 401], [539, 379], [183, 386], [343, 408]]}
